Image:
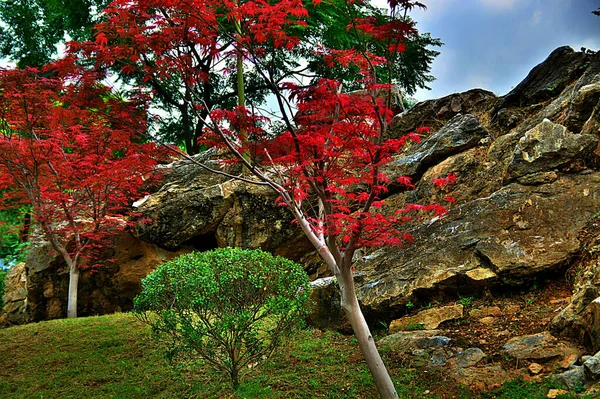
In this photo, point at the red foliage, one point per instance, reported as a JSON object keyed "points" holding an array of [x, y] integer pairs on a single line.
{"points": [[72, 149]]}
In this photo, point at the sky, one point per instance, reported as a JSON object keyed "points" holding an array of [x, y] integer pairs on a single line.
{"points": [[493, 44]]}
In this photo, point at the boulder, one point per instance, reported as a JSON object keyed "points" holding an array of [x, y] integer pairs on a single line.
{"points": [[540, 347], [213, 211], [548, 146], [15, 296], [435, 113], [428, 319], [469, 357], [513, 234], [107, 289], [407, 341], [461, 133], [547, 79]]}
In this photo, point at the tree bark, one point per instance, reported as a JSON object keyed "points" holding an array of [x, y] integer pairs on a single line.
{"points": [[72, 296], [351, 307]]}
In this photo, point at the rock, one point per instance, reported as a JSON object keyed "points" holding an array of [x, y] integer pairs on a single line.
{"points": [[469, 357], [435, 113], [408, 340], [592, 366], [547, 79], [459, 134], [509, 233], [15, 296], [569, 361], [428, 319], [489, 320], [486, 311], [535, 368], [110, 288], [541, 346], [326, 311], [488, 377], [571, 379], [547, 146], [555, 393]]}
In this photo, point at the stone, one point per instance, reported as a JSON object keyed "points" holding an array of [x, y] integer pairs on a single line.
{"points": [[325, 311], [571, 379], [547, 79], [487, 377], [555, 393], [428, 319], [459, 134], [592, 366], [489, 320], [547, 146], [435, 113], [469, 357], [541, 346], [535, 368], [408, 340], [568, 361], [15, 310], [486, 311]]}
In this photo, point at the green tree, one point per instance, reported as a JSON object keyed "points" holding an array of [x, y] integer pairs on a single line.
{"points": [[31, 30], [231, 307]]}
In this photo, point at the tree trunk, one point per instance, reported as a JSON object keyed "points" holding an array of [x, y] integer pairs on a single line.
{"points": [[349, 303], [72, 296]]}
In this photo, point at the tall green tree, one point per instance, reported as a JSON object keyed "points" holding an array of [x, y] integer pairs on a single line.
{"points": [[31, 30]]}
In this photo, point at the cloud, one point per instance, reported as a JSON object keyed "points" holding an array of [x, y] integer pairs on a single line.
{"points": [[499, 5], [537, 16]]}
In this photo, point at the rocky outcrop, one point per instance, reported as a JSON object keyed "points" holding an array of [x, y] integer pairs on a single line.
{"points": [[547, 79], [37, 290], [527, 185]]}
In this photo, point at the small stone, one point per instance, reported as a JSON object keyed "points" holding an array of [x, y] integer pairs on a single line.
{"points": [[487, 320], [486, 311], [568, 361], [555, 393], [482, 341], [469, 357], [535, 368], [585, 358]]}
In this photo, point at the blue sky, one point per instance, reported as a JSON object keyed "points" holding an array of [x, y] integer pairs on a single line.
{"points": [[493, 44]]}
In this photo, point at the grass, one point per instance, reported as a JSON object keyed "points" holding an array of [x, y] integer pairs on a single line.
{"points": [[114, 357]]}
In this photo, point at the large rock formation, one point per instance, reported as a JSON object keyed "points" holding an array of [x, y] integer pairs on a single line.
{"points": [[527, 188]]}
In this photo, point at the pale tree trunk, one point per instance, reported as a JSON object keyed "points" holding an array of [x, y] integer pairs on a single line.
{"points": [[351, 307], [72, 296]]}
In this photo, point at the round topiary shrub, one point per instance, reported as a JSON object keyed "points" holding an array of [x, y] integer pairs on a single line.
{"points": [[231, 307]]}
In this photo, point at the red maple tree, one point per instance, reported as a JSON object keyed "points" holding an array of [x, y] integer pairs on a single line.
{"points": [[324, 157], [70, 148]]}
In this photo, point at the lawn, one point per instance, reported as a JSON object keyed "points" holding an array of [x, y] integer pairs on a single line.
{"points": [[115, 357]]}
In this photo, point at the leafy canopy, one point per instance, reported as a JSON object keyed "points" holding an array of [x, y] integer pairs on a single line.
{"points": [[232, 307]]}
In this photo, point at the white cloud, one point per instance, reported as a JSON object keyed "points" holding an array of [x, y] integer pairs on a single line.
{"points": [[537, 17], [499, 5]]}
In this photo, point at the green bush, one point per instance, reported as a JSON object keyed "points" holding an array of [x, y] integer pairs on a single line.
{"points": [[2, 276], [231, 307]]}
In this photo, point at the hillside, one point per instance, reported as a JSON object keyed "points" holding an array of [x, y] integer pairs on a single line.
{"points": [[112, 357]]}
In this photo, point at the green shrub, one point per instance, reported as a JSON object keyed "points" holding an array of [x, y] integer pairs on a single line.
{"points": [[2, 276], [231, 307]]}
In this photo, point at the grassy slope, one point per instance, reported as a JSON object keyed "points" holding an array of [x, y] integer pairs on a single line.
{"points": [[114, 357]]}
